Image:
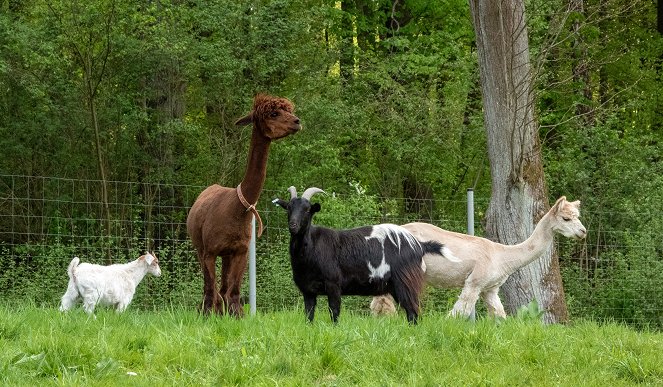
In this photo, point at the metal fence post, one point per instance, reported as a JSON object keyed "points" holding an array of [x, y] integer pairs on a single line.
{"points": [[470, 211], [252, 268]]}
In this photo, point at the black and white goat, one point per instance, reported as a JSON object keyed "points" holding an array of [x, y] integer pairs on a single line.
{"points": [[369, 260]]}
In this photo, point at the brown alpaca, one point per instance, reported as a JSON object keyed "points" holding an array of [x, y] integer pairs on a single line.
{"points": [[219, 222]]}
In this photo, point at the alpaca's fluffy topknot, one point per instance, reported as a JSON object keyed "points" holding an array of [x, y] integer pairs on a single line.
{"points": [[264, 104]]}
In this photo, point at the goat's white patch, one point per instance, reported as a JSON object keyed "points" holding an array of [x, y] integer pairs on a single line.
{"points": [[380, 271], [394, 233]]}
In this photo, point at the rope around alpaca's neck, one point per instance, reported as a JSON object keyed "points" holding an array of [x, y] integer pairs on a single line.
{"points": [[250, 207]]}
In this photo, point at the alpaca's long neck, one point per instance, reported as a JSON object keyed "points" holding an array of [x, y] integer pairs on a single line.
{"points": [[256, 167], [532, 248]]}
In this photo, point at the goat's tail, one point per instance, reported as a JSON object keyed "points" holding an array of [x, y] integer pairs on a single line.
{"points": [[408, 284], [72, 265], [435, 247]]}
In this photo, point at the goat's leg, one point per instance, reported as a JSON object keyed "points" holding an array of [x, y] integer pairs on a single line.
{"points": [[89, 302], [122, 305], [334, 300], [210, 295], [69, 298], [493, 302], [310, 300], [465, 306], [232, 276]]}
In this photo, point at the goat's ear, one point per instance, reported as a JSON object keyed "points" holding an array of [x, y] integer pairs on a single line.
{"points": [[315, 207], [149, 258], [246, 120], [281, 203]]}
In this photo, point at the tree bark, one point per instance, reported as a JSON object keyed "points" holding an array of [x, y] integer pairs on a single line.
{"points": [[518, 198]]}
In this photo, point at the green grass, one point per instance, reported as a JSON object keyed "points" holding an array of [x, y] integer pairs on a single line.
{"points": [[41, 346]]}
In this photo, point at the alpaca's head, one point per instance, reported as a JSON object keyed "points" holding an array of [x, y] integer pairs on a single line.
{"points": [[566, 218], [272, 116], [300, 210]]}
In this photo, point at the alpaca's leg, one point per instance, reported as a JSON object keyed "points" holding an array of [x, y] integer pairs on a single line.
{"points": [[465, 306], [493, 302], [210, 295], [383, 305], [232, 281], [226, 265], [69, 298]]}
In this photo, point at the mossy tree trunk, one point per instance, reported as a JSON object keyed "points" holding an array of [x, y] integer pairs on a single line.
{"points": [[518, 197]]}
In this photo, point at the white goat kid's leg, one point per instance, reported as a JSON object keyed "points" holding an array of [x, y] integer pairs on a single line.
{"points": [[466, 302], [69, 298], [493, 302], [122, 305], [89, 302]]}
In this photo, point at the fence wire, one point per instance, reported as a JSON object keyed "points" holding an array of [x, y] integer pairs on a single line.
{"points": [[46, 221]]}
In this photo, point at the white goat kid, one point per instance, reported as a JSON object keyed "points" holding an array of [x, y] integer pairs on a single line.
{"points": [[113, 285], [485, 265]]}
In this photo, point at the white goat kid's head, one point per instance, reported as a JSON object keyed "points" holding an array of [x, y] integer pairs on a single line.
{"points": [[152, 263], [566, 220]]}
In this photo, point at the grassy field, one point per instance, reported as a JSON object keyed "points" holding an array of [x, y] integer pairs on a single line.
{"points": [[41, 346]]}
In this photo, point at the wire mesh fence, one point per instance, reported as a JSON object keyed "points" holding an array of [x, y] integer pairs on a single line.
{"points": [[45, 222]]}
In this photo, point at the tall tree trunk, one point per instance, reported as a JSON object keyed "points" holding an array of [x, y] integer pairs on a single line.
{"points": [[347, 46], [518, 198], [581, 75], [91, 49], [100, 160]]}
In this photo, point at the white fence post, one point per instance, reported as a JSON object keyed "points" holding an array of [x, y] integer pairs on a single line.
{"points": [[470, 211], [252, 268]]}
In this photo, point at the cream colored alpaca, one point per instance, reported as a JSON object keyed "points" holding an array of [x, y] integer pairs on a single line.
{"points": [[485, 265], [383, 305]]}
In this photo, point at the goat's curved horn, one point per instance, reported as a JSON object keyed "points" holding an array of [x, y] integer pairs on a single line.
{"points": [[310, 192], [293, 192]]}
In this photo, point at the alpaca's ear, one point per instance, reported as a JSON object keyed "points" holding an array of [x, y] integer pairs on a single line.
{"points": [[246, 120], [576, 204], [315, 208], [558, 202], [281, 203]]}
